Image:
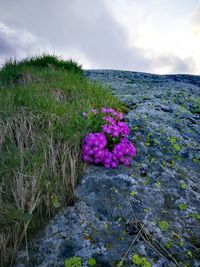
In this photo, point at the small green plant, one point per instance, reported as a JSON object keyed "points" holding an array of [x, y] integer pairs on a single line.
{"points": [[183, 186], [169, 244], [140, 261], [173, 139], [158, 184], [73, 262], [195, 216], [189, 253], [106, 226], [133, 194], [196, 159], [176, 146], [91, 262], [164, 225], [120, 264], [182, 206]]}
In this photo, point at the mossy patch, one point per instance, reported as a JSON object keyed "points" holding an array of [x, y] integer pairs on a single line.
{"points": [[73, 262], [182, 206], [140, 261], [91, 262], [164, 225]]}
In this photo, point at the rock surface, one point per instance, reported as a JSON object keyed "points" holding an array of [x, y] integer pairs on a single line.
{"points": [[151, 208]]}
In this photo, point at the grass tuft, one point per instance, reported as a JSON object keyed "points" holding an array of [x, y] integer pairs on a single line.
{"points": [[41, 129], [13, 70]]}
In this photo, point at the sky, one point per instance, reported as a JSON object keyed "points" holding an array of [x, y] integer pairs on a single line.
{"points": [[155, 36]]}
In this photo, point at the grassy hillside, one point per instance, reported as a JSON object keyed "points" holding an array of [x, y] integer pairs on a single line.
{"points": [[41, 127]]}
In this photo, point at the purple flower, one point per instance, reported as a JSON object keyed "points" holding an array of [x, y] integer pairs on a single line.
{"points": [[86, 158], [107, 128], [95, 149], [109, 119], [93, 111], [123, 128], [84, 114], [105, 110]]}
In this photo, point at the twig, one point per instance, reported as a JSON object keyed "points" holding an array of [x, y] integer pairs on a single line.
{"points": [[131, 245]]}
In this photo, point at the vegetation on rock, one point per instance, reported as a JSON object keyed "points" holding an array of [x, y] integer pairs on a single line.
{"points": [[41, 126]]}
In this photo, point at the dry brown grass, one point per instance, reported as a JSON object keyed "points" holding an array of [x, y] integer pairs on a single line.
{"points": [[29, 187]]}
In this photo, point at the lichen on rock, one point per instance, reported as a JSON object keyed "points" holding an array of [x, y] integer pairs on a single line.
{"points": [[159, 195]]}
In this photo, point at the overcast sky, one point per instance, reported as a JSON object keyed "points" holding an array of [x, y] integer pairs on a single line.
{"points": [[157, 36]]}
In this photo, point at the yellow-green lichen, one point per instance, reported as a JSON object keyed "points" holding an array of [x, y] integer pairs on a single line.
{"points": [[164, 225], [182, 206], [91, 262], [140, 261], [73, 262]]}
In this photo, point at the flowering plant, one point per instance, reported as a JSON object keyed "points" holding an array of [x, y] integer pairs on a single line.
{"points": [[110, 146]]}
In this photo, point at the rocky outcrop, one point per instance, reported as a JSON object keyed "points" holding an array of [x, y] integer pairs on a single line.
{"points": [[152, 208]]}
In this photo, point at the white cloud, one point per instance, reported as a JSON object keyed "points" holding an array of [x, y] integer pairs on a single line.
{"points": [[149, 36], [16, 43], [161, 30], [195, 21]]}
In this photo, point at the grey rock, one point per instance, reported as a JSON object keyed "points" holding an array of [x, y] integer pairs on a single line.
{"points": [[113, 206]]}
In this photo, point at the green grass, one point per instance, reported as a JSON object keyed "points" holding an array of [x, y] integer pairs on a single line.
{"points": [[13, 70], [41, 128]]}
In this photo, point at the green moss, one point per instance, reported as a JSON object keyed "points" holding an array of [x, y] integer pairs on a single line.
{"points": [[135, 128], [91, 262], [183, 186], [189, 253], [172, 163], [164, 164], [196, 159], [140, 261], [152, 160], [120, 264], [109, 245], [177, 147], [130, 81], [158, 184], [195, 216], [195, 102], [133, 194], [106, 226], [174, 144], [169, 244], [146, 181], [182, 206], [73, 262], [164, 225], [173, 139]]}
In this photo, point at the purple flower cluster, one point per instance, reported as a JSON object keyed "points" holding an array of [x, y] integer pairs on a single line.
{"points": [[95, 147], [112, 112], [115, 128], [124, 151]]}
